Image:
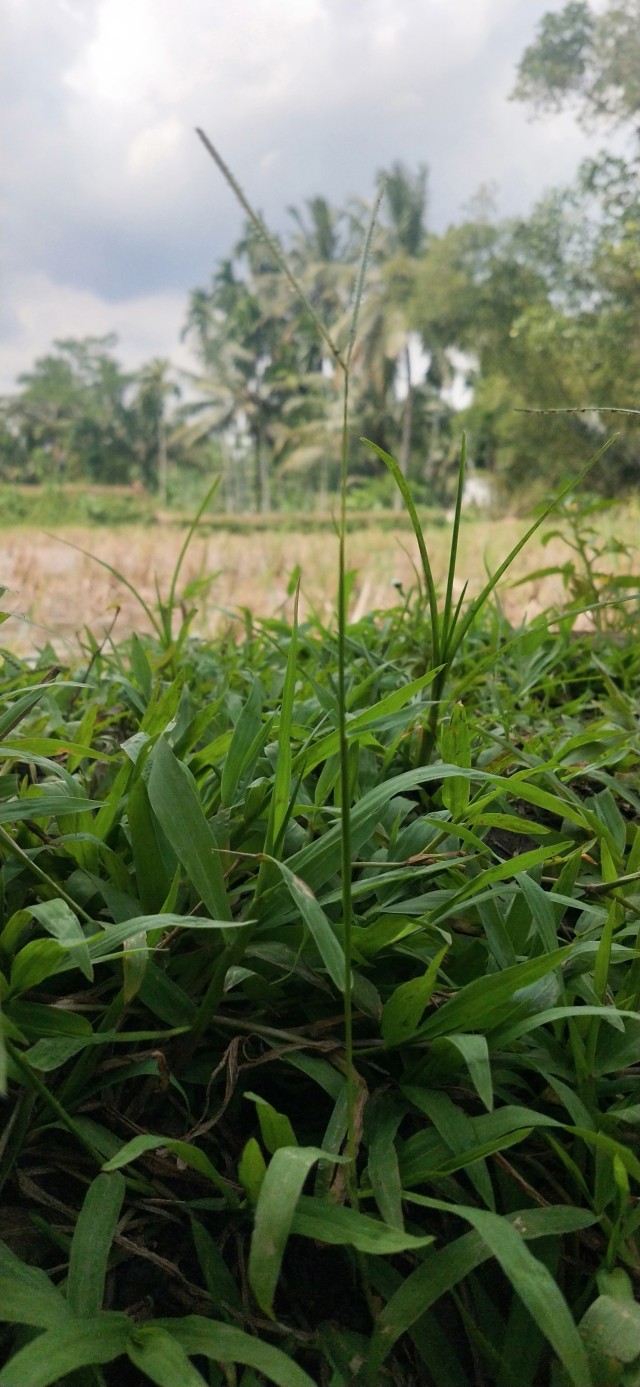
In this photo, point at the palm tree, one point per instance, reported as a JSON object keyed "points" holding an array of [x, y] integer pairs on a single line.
{"points": [[387, 341], [155, 388]]}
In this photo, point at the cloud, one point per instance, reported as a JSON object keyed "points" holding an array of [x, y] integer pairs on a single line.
{"points": [[42, 311], [110, 198]]}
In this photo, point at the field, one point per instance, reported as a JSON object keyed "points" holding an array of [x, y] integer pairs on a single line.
{"points": [[60, 590], [319, 964]]}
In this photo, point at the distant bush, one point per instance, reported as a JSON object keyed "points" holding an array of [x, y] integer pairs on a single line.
{"points": [[62, 505]]}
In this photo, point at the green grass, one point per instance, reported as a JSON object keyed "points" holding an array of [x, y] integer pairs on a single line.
{"points": [[172, 945], [320, 995], [52, 505]]}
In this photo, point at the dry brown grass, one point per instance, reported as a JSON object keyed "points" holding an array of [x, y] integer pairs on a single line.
{"points": [[60, 590]]}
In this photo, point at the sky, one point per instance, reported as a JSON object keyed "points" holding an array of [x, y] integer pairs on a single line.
{"points": [[111, 210]]}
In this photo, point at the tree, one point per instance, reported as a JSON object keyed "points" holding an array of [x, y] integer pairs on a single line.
{"points": [[248, 352], [387, 331], [72, 412], [591, 59], [588, 59], [155, 389]]}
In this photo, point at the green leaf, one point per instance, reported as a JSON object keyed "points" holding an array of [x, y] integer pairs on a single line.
{"points": [[458, 1134], [15, 712], [455, 746], [486, 1001], [319, 862], [59, 921], [217, 1277], [366, 721], [53, 1051], [282, 781], [448, 1266], [496, 931], [60, 1351], [275, 1127], [540, 903], [40, 959], [27, 1296], [475, 1053], [135, 961], [342, 1227], [102, 945], [38, 1019], [384, 1115], [224, 1344], [43, 806], [178, 809], [252, 1169], [161, 1358], [532, 1282], [24, 748], [522, 862], [152, 878], [281, 1188], [182, 1150], [430, 586], [247, 729], [402, 1013], [91, 1244], [610, 1332], [321, 931]]}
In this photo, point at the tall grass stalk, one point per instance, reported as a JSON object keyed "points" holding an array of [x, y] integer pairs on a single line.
{"points": [[343, 361], [345, 806]]}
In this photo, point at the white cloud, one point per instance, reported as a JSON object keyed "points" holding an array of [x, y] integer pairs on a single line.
{"points": [[153, 150], [123, 63], [42, 311], [110, 199]]}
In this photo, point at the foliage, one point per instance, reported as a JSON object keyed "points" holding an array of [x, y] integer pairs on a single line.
{"points": [[80, 417], [537, 314], [589, 57], [320, 990], [172, 949], [49, 506]]}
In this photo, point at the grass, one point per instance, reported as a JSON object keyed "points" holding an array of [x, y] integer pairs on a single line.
{"points": [[173, 1168], [63, 590], [320, 991]]}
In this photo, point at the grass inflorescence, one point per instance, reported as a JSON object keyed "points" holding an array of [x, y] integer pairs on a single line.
{"points": [[321, 995]]}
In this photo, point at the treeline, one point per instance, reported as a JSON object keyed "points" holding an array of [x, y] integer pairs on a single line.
{"points": [[463, 329]]}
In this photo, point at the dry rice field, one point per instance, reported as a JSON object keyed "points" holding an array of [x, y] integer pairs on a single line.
{"points": [[54, 591]]}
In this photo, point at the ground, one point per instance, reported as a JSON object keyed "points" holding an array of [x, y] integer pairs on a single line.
{"points": [[54, 591]]}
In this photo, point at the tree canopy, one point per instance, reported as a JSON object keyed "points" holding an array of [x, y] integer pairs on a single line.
{"points": [[459, 329]]}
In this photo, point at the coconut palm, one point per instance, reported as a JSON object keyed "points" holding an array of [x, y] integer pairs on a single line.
{"points": [[155, 388]]}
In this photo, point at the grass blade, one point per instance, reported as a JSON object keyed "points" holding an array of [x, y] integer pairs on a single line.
{"points": [[342, 1227], [432, 596], [52, 1356], [27, 1296], [279, 1195], [177, 807], [447, 1267], [161, 1358], [91, 1244], [320, 929], [182, 1150], [282, 783], [224, 1344]]}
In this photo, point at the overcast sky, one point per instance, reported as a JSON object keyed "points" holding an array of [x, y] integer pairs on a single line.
{"points": [[111, 209]]}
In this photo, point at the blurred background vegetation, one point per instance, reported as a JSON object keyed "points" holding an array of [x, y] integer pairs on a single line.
{"points": [[458, 330]]}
